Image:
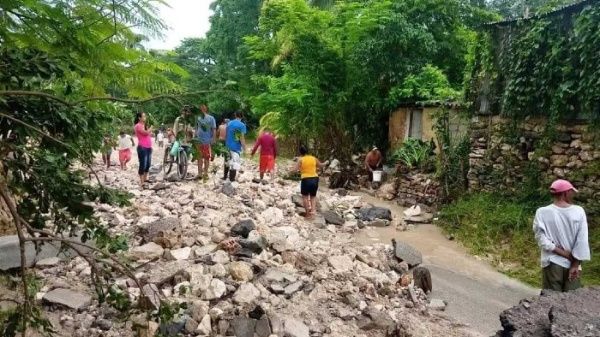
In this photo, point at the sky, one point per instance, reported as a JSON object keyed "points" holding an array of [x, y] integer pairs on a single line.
{"points": [[185, 18]]}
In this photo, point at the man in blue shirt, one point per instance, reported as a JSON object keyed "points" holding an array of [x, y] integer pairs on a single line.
{"points": [[206, 135], [236, 144]]}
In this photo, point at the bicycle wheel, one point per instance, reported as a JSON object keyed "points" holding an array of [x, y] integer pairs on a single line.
{"points": [[167, 161], [182, 162]]}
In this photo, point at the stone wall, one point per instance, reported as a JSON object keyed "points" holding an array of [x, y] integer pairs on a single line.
{"points": [[411, 189], [507, 156]]}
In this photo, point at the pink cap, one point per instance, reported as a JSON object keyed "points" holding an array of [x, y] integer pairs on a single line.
{"points": [[561, 185]]}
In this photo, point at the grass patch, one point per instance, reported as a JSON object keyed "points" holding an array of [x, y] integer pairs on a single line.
{"points": [[500, 228]]}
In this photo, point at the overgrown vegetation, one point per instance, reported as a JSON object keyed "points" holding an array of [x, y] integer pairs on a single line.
{"points": [[414, 154], [541, 67], [499, 228], [69, 72]]}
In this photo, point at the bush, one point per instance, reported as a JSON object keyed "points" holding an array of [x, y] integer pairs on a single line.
{"points": [[414, 153], [500, 227]]}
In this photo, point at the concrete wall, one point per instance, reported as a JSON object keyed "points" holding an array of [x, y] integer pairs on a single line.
{"points": [[400, 122]]}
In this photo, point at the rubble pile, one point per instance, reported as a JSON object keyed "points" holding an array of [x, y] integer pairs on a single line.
{"points": [[554, 314], [243, 262]]}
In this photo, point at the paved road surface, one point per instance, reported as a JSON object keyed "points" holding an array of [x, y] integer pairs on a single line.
{"points": [[476, 293]]}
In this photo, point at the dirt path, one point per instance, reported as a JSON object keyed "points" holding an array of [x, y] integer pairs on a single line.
{"points": [[476, 293]]}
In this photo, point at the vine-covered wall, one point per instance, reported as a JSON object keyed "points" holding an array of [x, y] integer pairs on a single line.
{"points": [[547, 66], [535, 89]]}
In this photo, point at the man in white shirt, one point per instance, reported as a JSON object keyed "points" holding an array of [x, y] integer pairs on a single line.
{"points": [[562, 233]]}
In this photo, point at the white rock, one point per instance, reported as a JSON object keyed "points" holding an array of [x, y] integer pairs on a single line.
{"points": [[340, 263], [204, 328], [246, 293], [220, 256], [48, 262], [218, 270], [199, 309], [285, 238], [179, 254], [185, 220], [147, 252], [272, 216], [215, 290]]}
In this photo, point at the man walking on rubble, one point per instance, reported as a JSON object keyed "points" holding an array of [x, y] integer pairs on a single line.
{"points": [[236, 144], [562, 233]]}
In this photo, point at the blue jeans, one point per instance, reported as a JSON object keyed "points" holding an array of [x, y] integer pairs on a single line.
{"points": [[145, 158]]}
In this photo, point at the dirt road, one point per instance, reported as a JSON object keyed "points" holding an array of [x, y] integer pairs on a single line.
{"points": [[475, 292]]}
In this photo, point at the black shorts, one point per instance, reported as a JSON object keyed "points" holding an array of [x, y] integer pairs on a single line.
{"points": [[309, 186]]}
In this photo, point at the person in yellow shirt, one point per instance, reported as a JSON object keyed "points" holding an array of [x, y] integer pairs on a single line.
{"points": [[307, 166]]}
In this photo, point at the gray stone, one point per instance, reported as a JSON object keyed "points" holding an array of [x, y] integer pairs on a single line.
{"points": [[407, 253], [150, 297], [436, 304], [263, 329], [246, 293], [148, 251], [372, 213], [204, 328], [215, 290], [103, 324], [158, 228], [293, 288], [555, 314], [333, 218], [48, 262], [295, 328], [191, 325], [243, 327], [11, 256], [340, 263], [198, 309], [228, 189], [243, 228], [68, 298], [178, 254], [277, 288]]}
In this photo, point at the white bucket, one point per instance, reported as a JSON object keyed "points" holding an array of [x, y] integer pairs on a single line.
{"points": [[377, 176]]}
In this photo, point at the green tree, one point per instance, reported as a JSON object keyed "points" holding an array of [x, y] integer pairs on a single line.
{"points": [[54, 55]]}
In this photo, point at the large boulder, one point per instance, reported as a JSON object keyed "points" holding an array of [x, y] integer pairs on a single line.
{"points": [[158, 229], [331, 217], [407, 253], [68, 298], [554, 314], [374, 213]]}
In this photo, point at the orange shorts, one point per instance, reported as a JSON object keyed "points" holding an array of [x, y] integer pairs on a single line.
{"points": [[124, 155], [205, 151], [267, 164]]}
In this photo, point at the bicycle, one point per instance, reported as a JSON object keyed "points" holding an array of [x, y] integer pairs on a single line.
{"points": [[180, 159]]}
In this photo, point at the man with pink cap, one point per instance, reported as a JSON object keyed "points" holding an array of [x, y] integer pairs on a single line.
{"points": [[561, 231]]}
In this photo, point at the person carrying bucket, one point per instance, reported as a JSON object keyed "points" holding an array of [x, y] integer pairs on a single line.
{"points": [[373, 162]]}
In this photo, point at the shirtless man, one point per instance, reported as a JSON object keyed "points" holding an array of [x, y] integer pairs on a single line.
{"points": [[373, 161]]}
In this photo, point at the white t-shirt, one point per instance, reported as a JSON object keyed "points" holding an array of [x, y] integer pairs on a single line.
{"points": [[564, 227], [124, 142], [160, 137]]}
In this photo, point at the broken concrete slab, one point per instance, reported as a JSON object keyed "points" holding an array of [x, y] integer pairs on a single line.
{"points": [[407, 253], [68, 298]]}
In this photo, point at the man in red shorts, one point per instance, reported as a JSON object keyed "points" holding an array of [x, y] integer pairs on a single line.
{"points": [[206, 127], [268, 152]]}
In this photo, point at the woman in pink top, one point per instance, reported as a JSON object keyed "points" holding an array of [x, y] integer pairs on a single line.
{"points": [[144, 148]]}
